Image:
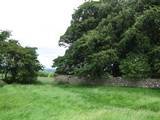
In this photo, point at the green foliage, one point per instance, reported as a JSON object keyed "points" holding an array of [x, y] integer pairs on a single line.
{"points": [[155, 61], [102, 35], [98, 64], [17, 64], [45, 74], [135, 67], [84, 19], [42, 74]]}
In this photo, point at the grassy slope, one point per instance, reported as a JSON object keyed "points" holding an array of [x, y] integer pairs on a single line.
{"points": [[60, 102]]}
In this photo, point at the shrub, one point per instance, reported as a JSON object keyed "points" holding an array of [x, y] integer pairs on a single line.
{"points": [[42, 74], [45, 74], [135, 67], [155, 61]]}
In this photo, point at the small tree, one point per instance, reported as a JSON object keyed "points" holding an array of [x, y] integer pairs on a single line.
{"points": [[18, 64]]}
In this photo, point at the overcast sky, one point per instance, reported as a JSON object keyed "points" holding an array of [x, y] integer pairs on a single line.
{"points": [[38, 23]]}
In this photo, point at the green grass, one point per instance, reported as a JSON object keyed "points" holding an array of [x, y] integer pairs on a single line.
{"points": [[48, 101]]}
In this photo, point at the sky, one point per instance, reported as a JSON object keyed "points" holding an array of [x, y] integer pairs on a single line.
{"points": [[38, 23]]}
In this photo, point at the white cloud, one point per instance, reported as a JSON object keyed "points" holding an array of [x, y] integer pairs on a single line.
{"points": [[38, 23]]}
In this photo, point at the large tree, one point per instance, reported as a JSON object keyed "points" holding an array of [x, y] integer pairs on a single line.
{"points": [[106, 36]]}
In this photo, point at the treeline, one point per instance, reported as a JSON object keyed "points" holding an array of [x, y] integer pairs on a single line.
{"points": [[113, 37], [17, 64]]}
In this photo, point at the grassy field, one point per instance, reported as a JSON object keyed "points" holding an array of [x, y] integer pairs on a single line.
{"points": [[47, 101]]}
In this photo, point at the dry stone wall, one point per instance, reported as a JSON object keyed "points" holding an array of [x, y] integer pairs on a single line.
{"points": [[115, 81]]}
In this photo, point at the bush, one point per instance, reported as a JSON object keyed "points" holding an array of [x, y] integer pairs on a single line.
{"points": [[45, 74], [155, 61], [42, 74], [135, 67]]}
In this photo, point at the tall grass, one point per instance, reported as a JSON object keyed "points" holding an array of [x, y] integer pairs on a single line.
{"points": [[48, 101]]}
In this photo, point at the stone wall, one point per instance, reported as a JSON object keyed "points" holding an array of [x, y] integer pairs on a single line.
{"points": [[146, 83], [69, 79], [115, 81]]}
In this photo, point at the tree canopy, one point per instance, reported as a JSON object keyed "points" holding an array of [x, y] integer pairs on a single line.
{"points": [[17, 64], [113, 37]]}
